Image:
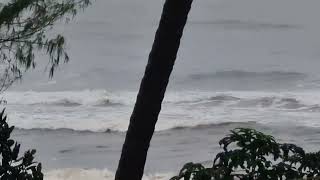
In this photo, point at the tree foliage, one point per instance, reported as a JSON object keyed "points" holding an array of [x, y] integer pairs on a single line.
{"points": [[251, 155], [23, 31], [13, 167]]}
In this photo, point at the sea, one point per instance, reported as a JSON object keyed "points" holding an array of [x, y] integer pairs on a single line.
{"points": [[242, 63]]}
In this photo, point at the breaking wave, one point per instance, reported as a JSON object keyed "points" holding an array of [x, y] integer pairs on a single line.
{"points": [[103, 111], [65, 98], [272, 75], [281, 102], [207, 126]]}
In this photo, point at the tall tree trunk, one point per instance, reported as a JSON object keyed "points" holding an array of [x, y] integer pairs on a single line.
{"points": [[152, 89]]}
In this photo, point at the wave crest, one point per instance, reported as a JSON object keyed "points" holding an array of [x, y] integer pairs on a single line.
{"points": [[180, 109], [236, 74], [65, 98]]}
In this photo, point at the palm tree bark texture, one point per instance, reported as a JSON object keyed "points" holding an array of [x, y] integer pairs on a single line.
{"points": [[152, 89]]}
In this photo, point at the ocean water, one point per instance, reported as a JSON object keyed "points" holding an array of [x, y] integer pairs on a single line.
{"points": [[242, 63]]}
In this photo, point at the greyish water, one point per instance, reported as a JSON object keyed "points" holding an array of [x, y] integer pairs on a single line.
{"points": [[244, 63]]}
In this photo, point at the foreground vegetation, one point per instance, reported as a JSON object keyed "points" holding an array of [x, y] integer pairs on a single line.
{"points": [[12, 166], [24, 27], [251, 155]]}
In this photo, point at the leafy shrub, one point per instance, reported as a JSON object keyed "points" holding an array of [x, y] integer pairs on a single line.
{"points": [[251, 155], [13, 167]]}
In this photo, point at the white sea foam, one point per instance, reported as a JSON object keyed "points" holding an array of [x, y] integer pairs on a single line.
{"points": [[101, 97], [94, 174], [100, 110]]}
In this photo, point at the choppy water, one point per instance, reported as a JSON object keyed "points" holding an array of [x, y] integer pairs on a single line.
{"points": [[100, 110], [241, 63]]}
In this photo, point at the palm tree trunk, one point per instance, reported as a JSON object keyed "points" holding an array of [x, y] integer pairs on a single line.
{"points": [[152, 89]]}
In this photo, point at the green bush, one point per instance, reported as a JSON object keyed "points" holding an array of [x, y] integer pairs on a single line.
{"points": [[251, 155], [13, 167]]}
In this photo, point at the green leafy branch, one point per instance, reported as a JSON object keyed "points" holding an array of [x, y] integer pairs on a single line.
{"points": [[251, 155], [23, 31]]}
